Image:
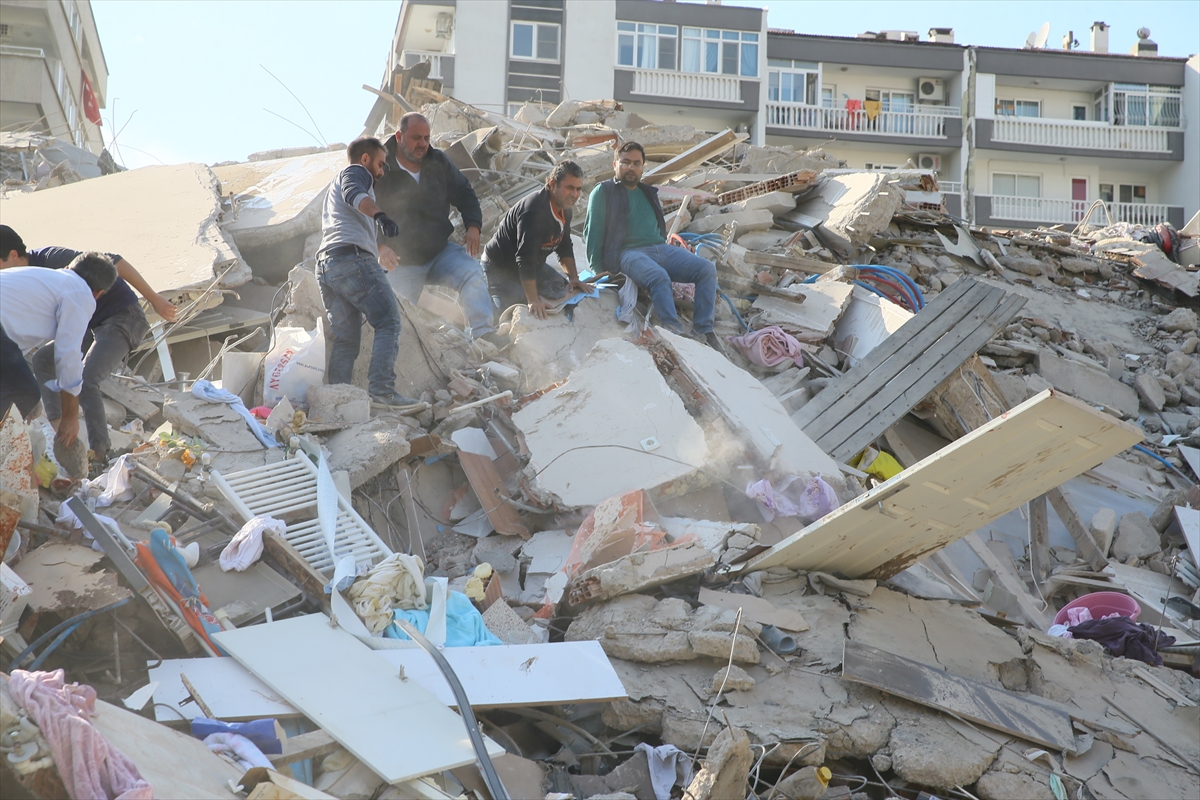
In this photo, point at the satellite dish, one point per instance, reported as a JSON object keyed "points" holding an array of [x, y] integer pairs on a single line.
{"points": [[1043, 35], [1030, 39]]}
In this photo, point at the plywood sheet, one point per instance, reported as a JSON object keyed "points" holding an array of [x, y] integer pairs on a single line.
{"points": [[392, 725], [1041, 443], [994, 708]]}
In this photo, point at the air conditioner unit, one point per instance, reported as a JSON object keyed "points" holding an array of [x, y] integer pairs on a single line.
{"points": [[929, 161], [931, 90]]}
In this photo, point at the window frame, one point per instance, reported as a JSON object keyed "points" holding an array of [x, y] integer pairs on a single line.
{"points": [[721, 40], [536, 26], [1016, 176], [1015, 103], [636, 33]]}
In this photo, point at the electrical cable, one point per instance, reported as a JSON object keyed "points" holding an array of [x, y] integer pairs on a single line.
{"points": [[733, 308], [72, 623], [1169, 465]]}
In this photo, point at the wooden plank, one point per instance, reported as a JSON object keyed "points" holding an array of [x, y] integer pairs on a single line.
{"points": [[304, 746], [756, 609], [489, 488], [1162, 688], [1007, 576], [693, 157], [290, 561], [812, 266], [1085, 545], [1023, 717], [399, 730], [1039, 538], [1045, 441]]}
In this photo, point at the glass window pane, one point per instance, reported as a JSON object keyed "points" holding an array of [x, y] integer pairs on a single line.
{"points": [[779, 62], [1005, 108], [647, 52], [749, 37], [1028, 108], [1004, 185], [1079, 112], [523, 41], [667, 30], [810, 88], [625, 50], [1139, 194], [827, 95], [710, 34], [729, 58], [773, 86], [691, 55], [1126, 193], [1106, 192], [712, 56], [626, 26], [666, 52], [729, 35], [693, 32], [1029, 186], [547, 45], [1135, 108], [750, 60]]}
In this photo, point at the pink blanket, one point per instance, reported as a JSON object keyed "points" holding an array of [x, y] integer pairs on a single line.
{"points": [[770, 347], [89, 766]]}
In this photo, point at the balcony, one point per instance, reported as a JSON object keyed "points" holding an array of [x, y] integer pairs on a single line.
{"points": [[928, 123], [1080, 135], [1043, 210], [687, 86], [441, 65]]}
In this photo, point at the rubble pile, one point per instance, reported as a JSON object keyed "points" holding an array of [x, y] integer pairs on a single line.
{"points": [[815, 560]]}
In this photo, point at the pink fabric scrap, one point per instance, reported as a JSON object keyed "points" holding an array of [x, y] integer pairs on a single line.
{"points": [[770, 347], [89, 766], [1077, 615]]}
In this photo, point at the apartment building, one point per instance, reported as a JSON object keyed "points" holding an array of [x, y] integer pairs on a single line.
{"points": [[1018, 137], [52, 71]]}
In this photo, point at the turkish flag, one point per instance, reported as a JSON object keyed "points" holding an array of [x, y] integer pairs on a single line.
{"points": [[91, 109]]}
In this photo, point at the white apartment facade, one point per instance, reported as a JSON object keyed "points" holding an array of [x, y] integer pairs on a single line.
{"points": [[1018, 137], [49, 53]]}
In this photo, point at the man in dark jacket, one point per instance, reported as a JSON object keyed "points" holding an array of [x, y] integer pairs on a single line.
{"points": [[418, 187], [515, 258], [626, 232]]}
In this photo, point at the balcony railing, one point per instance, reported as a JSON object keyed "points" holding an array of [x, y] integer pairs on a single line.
{"points": [[24, 52], [1041, 209], [926, 123], [687, 85], [1081, 135], [410, 57]]}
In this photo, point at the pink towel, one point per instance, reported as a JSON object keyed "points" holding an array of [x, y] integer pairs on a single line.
{"points": [[89, 766], [769, 347]]}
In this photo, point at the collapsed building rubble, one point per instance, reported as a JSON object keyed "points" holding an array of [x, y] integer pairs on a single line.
{"points": [[819, 562]]}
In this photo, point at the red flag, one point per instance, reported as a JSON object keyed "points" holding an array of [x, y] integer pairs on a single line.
{"points": [[91, 109]]}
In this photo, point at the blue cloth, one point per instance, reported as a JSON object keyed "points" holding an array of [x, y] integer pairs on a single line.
{"points": [[206, 391], [260, 731], [657, 266], [171, 562], [353, 287], [464, 623]]}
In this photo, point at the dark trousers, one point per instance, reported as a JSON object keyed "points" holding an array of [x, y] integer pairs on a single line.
{"points": [[17, 384], [353, 287], [504, 284]]}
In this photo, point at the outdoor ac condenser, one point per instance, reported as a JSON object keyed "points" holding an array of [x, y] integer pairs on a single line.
{"points": [[931, 90], [929, 161]]}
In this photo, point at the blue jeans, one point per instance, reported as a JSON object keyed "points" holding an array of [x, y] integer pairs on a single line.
{"points": [[455, 269], [353, 287], [657, 266]]}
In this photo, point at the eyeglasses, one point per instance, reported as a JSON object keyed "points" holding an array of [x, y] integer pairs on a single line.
{"points": [[624, 162]]}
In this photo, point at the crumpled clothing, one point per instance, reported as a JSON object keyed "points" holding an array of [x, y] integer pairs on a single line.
{"points": [[396, 582], [769, 347], [1121, 636], [1061, 631], [116, 483], [206, 391], [1078, 615], [464, 623], [809, 502], [238, 748], [246, 545], [65, 514], [262, 733], [668, 766], [684, 291], [88, 765], [627, 295]]}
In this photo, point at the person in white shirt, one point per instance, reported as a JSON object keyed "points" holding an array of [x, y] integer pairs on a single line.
{"points": [[39, 306]]}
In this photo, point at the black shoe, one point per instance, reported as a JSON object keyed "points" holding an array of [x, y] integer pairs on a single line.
{"points": [[396, 401], [714, 341]]}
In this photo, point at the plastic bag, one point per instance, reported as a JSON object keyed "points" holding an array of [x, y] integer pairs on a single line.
{"points": [[296, 361]]}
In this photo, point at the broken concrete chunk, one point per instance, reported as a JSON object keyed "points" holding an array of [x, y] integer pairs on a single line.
{"points": [[718, 645], [726, 768], [1150, 391], [638, 571], [1136, 537], [927, 751], [339, 403], [813, 319], [1102, 527], [1086, 383], [733, 678], [853, 207], [760, 219], [629, 628], [1181, 319], [1026, 265], [368, 449]]}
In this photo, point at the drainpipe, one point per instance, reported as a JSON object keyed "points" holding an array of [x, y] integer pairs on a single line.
{"points": [[968, 110]]}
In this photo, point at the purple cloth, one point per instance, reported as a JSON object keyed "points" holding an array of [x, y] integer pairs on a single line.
{"points": [[1121, 636], [769, 347]]}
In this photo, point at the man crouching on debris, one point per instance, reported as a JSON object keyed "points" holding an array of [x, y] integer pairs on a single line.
{"points": [[418, 187], [118, 325], [353, 284], [515, 258], [40, 306], [625, 232]]}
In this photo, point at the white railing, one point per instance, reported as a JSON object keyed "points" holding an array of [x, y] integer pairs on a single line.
{"points": [[687, 85], [412, 57], [1041, 209], [24, 52], [1081, 135], [927, 124]]}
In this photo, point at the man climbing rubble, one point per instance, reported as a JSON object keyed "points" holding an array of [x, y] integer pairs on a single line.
{"points": [[417, 188], [626, 232], [515, 258], [40, 306], [118, 325], [352, 282]]}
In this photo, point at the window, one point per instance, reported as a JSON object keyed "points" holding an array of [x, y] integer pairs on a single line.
{"points": [[1079, 113], [69, 110], [792, 81], [897, 108], [1131, 194], [647, 46], [1139, 104], [891, 167], [1106, 192], [1008, 185], [73, 19], [720, 52], [537, 41], [828, 93], [1018, 108]]}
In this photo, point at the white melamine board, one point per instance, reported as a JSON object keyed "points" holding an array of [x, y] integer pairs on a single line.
{"points": [[225, 686], [395, 727], [1040, 444], [517, 674]]}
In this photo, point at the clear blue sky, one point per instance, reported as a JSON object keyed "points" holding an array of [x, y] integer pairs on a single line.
{"points": [[189, 72]]}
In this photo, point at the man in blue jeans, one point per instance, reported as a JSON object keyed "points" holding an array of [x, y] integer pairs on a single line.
{"points": [[353, 284], [625, 232], [417, 188]]}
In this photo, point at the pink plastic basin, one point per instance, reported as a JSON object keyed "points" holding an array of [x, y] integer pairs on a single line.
{"points": [[1102, 604]]}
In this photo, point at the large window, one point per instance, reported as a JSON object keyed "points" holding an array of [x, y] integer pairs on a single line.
{"points": [[792, 81], [1139, 104], [1010, 185], [1018, 108], [720, 52], [647, 46], [536, 41]]}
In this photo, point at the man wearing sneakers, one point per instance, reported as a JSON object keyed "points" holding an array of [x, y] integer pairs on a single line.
{"points": [[626, 232], [353, 284]]}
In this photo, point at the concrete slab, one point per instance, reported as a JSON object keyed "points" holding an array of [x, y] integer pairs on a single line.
{"points": [[163, 220], [277, 199], [1090, 385], [585, 436], [230, 440], [546, 351], [811, 320], [368, 449], [853, 207]]}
